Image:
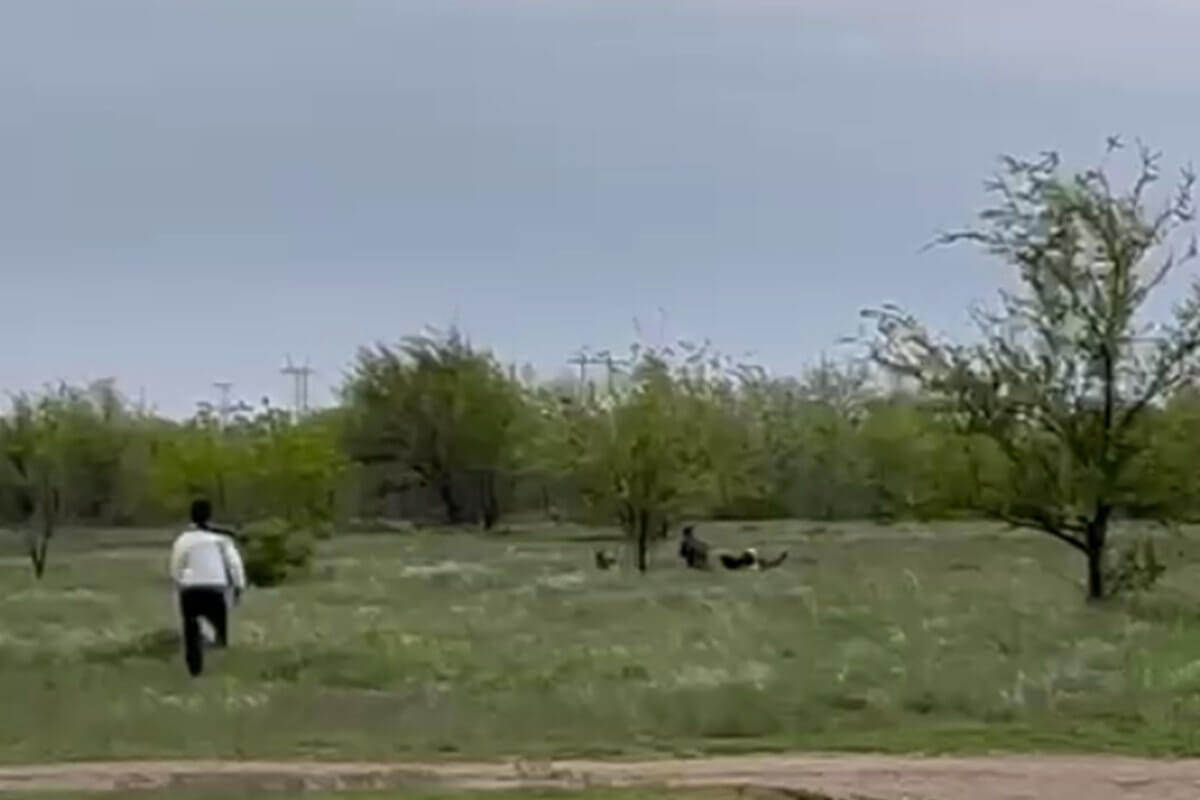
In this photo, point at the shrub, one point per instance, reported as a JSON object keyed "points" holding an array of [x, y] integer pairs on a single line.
{"points": [[1136, 568], [275, 550]]}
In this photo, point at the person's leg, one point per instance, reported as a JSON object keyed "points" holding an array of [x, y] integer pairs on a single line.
{"points": [[193, 640], [219, 617], [212, 608]]}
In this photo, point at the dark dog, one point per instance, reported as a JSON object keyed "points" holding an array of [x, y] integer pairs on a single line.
{"points": [[605, 559]]}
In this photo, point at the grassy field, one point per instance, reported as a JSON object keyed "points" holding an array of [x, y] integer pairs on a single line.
{"points": [[451, 645]]}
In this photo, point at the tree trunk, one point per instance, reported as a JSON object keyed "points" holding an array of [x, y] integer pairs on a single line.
{"points": [[1095, 568], [489, 504], [449, 500], [643, 540], [1097, 543], [39, 545]]}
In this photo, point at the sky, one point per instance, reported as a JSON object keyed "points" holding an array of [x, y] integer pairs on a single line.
{"points": [[189, 192]]}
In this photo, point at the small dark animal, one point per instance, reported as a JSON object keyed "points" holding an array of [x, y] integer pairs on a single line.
{"points": [[605, 559], [693, 551]]}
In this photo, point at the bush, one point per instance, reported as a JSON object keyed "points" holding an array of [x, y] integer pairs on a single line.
{"points": [[1136, 568], [275, 550]]}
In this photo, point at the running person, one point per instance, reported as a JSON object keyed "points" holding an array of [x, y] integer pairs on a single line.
{"points": [[209, 579]]}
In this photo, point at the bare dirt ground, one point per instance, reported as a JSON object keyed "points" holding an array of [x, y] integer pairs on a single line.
{"points": [[850, 777]]}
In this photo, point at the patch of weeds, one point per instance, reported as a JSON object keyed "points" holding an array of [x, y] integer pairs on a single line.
{"points": [[1135, 569], [848, 702], [1162, 609], [337, 670], [923, 702], [159, 645], [635, 672]]}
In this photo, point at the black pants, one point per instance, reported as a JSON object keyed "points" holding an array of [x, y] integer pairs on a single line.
{"points": [[207, 602]]}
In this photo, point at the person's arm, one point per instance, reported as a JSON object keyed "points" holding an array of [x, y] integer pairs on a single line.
{"points": [[178, 560], [233, 559]]}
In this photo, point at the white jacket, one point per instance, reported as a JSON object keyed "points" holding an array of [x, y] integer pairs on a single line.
{"points": [[204, 558]]}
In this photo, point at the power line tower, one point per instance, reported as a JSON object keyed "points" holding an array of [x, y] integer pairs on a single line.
{"points": [[602, 359], [299, 376], [223, 407], [583, 360], [612, 366]]}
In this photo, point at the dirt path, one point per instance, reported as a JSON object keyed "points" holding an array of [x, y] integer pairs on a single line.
{"points": [[873, 777]]}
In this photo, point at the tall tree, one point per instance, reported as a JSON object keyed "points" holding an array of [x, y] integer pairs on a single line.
{"points": [[444, 412], [34, 438], [637, 452], [1068, 366]]}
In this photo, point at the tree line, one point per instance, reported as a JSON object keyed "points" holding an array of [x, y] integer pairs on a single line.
{"points": [[1070, 409]]}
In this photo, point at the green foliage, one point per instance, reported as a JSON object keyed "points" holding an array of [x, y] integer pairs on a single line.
{"points": [[1136, 568], [1067, 369], [638, 451], [295, 467], [195, 459], [257, 466], [32, 474], [443, 414], [275, 550], [61, 456]]}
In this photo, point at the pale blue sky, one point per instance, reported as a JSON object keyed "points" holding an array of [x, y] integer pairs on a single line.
{"points": [[190, 190]]}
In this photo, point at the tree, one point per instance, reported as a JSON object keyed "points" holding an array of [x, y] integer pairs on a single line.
{"points": [[96, 436], [773, 409], [443, 411], [1067, 368], [254, 467], [1167, 482], [33, 438], [726, 434], [637, 454], [200, 458], [295, 466], [831, 412]]}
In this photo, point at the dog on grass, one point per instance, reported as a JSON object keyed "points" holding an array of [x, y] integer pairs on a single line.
{"points": [[694, 552], [750, 559]]}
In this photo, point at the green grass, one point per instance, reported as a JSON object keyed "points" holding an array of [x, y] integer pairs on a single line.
{"points": [[903, 639]]}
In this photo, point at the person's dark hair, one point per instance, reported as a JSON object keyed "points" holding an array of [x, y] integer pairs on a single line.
{"points": [[201, 512]]}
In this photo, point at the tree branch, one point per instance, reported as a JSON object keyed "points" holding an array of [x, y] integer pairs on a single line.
{"points": [[1049, 528]]}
